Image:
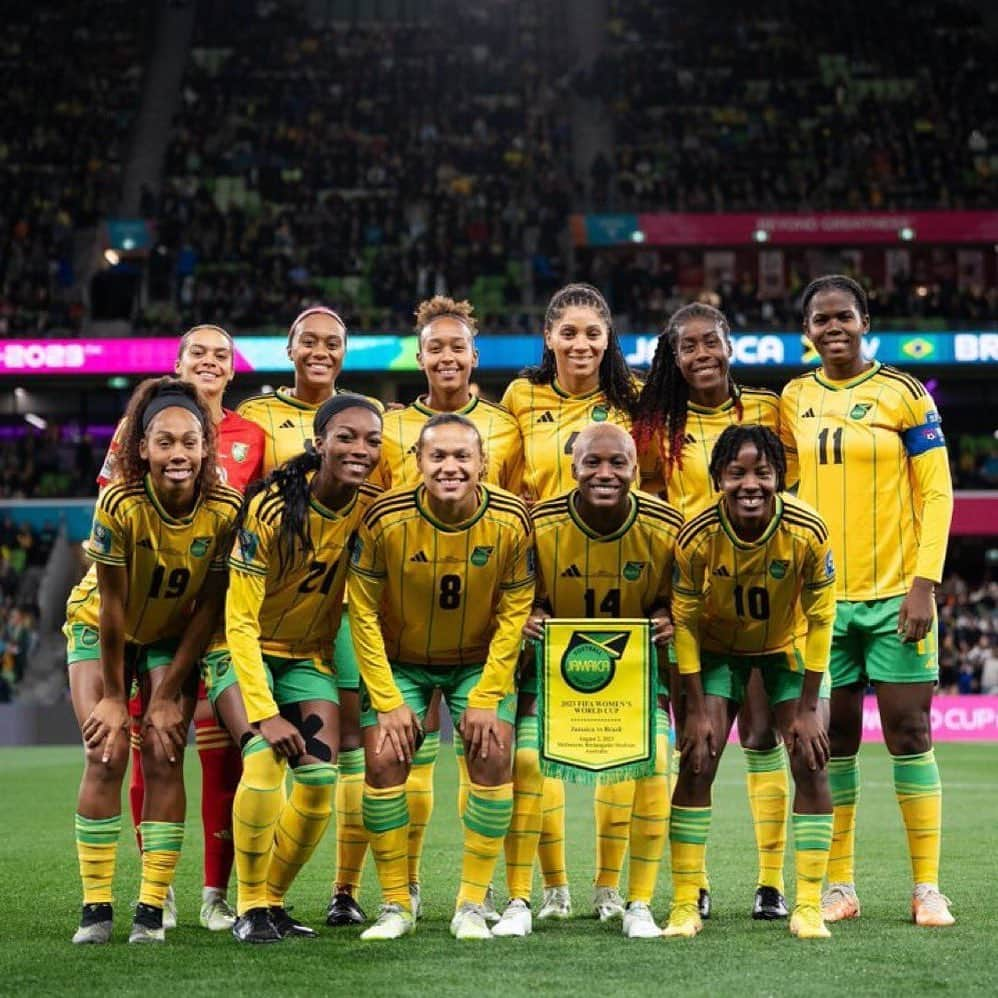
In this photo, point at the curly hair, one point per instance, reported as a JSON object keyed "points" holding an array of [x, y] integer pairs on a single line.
{"points": [[615, 378], [767, 445], [441, 305], [834, 282], [662, 406], [131, 467]]}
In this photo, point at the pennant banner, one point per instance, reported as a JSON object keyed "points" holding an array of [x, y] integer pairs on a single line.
{"points": [[596, 700]]}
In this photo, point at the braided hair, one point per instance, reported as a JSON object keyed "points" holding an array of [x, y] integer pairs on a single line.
{"points": [[766, 443], [615, 378], [662, 407], [834, 282]]}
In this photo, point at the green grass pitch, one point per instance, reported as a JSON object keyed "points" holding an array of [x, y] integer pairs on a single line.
{"points": [[881, 954]]}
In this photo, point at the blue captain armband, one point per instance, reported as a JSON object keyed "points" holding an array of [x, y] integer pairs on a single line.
{"points": [[919, 439]]}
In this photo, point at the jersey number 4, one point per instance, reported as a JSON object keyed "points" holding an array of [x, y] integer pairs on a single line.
{"points": [[609, 606]]}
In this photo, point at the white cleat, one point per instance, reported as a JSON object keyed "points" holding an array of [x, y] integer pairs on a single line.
{"points": [[516, 920], [146, 934], [416, 900], [607, 903], [930, 908], [469, 923], [216, 913], [638, 922], [489, 906], [393, 922], [557, 903], [170, 910]]}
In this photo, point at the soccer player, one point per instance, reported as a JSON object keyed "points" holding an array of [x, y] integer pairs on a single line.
{"points": [[146, 609], [754, 573], [447, 354], [205, 360], [274, 685], [441, 584], [582, 378], [317, 345], [603, 550], [873, 461], [687, 401]]}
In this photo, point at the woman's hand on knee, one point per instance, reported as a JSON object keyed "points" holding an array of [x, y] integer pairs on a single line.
{"points": [[400, 730], [104, 725], [282, 736]]}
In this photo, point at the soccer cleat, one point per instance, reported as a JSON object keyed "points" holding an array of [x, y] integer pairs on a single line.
{"points": [[684, 921], [929, 907], [557, 903], [607, 903], [839, 902], [639, 923], [96, 923], [170, 909], [469, 923], [288, 927], [489, 906], [344, 910], [216, 913], [255, 926], [416, 900], [769, 905], [516, 920], [807, 923], [393, 922], [704, 903], [147, 927]]}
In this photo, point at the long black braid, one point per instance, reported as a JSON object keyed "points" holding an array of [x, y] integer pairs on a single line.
{"points": [[662, 406], [766, 443], [615, 378]]}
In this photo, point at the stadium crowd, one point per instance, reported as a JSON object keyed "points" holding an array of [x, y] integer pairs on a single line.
{"points": [[968, 636]]}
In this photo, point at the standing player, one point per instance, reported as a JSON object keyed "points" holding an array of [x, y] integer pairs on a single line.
{"points": [[146, 609], [753, 572], [582, 379], [205, 360], [602, 551], [288, 572], [441, 585], [688, 400], [873, 460], [447, 354]]}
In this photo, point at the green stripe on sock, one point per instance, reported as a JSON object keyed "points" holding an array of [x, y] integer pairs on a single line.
{"points": [[488, 817], [765, 760], [98, 831], [162, 836], [812, 832], [843, 780], [427, 754], [315, 774], [382, 814], [916, 775], [662, 722], [689, 824], [526, 734], [458, 747], [351, 762], [256, 744]]}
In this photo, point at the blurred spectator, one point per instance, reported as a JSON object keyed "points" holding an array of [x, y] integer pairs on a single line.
{"points": [[968, 633]]}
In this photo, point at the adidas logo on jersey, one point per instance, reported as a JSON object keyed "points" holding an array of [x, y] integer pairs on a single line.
{"points": [[546, 417], [807, 415], [288, 424], [722, 571], [572, 572], [420, 556], [144, 543]]}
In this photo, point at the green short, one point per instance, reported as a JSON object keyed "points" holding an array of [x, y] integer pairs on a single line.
{"points": [[291, 680], [866, 646], [347, 673], [725, 675], [83, 645], [417, 683], [526, 681]]}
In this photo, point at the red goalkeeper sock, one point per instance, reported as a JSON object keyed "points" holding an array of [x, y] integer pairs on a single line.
{"points": [[221, 768]]}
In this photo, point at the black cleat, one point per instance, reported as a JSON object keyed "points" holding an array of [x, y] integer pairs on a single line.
{"points": [[96, 924], [256, 927], [288, 927], [344, 910], [703, 903], [147, 926], [769, 905]]}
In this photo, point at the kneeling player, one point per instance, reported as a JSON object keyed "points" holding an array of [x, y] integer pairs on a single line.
{"points": [[753, 573], [440, 587]]}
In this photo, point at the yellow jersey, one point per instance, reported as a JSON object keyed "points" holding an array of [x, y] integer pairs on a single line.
{"points": [[167, 558], [689, 488], [500, 438], [872, 460], [294, 614], [754, 598], [426, 593], [550, 420]]}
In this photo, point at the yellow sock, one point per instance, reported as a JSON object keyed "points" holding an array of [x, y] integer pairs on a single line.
{"points": [[97, 850], [463, 780], [161, 842], [920, 795], [386, 818], [612, 804], [551, 849], [351, 838], [486, 822], [769, 800], [300, 827], [419, 790], [843, 781], [812, 840], [255, 810], [649, 823], [688, 828], [525, 824]]}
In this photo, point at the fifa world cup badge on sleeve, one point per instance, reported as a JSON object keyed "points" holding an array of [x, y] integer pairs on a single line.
{"points": [[596, 700]]}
